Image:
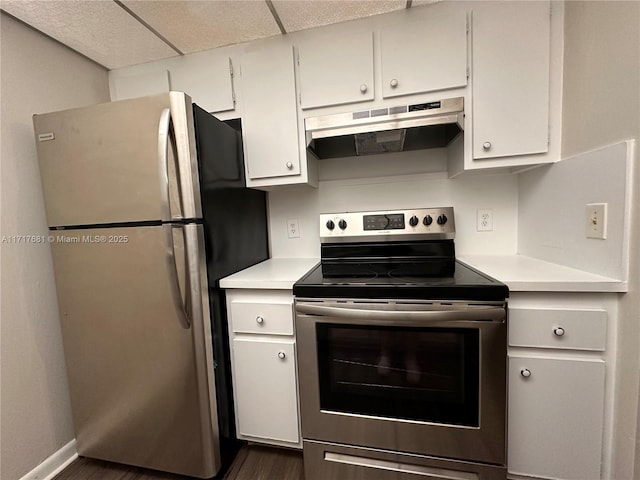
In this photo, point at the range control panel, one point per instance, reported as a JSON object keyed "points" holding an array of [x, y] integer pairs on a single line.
{"points": [[389, 225]]}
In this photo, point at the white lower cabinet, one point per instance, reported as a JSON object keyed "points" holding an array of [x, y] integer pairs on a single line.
{"points": [[555, 417], [265, 388], [556, 404], [263, 363]]}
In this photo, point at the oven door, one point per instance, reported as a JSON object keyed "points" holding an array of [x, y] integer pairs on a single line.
{"points": [[407, 376]]}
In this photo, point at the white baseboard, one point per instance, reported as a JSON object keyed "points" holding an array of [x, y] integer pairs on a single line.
{"points": [[54, 464]]}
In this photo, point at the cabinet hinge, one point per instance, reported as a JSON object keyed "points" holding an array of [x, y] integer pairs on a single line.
{"points": [[468, 74], [233, 90]]}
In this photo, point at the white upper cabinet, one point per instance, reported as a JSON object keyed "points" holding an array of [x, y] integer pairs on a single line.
{"points": [[270, 115], [207, 79], [336, 69], [511, 55], [125, 84], [423, 54], [418, 54]]}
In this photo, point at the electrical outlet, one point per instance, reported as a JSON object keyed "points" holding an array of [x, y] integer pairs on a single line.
{"points": [[484, 220], [293, 231], [596, 221]]}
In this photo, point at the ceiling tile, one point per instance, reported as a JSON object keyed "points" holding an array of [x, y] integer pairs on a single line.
{"points": [[301, 14], [193, 26], [100, 30]]}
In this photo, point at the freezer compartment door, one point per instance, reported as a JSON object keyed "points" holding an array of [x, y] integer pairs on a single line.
{"points": [[141, 378], [110, 163]]}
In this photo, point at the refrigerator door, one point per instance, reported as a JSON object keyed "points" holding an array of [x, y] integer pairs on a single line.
{"points": [[140, 376], [104, 164]]}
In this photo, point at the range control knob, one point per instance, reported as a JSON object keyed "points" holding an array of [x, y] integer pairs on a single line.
{"points": [[427, 220], [442, 219], [413, 221], [342, 224], [330, 224]]}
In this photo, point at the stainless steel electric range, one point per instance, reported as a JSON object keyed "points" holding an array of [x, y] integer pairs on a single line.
{"points": [[401, 353]]}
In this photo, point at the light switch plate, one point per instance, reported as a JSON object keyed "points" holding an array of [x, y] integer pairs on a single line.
{"points": [[596, 220]]}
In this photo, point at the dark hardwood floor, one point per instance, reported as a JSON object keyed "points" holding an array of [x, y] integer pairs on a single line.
{"points": [[253, 462], [264, 463]]}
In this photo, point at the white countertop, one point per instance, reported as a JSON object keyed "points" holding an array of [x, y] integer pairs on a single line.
{"points": [[527, 274], [520, 273], [275, 273]]}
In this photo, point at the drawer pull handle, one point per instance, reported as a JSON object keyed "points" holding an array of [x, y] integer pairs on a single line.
{"points": [[558, 331], [259, 320], [525, 372], [281, 355], [363, 88], [486, 146]]}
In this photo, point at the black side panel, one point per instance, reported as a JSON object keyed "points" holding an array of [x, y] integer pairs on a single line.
{"points": [[235, 225], [220, 156], [235, 222], [229, 444]]}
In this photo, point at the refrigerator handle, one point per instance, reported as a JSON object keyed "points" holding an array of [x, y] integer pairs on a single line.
{"points": [[182, 310], [165, 213], [163, 164]]}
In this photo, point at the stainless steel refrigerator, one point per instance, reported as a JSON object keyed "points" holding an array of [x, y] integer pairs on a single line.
{"points": [[147, 209]]}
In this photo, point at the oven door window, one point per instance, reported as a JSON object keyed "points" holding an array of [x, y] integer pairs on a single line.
{"points": [[421, 374]]}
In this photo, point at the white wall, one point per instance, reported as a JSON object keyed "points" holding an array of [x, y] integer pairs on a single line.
{"points": [[552, 216], [601, 105], [37, 75], [381, 182]]}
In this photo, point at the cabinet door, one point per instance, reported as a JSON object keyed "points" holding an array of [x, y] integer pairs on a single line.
{"points": [[555, 417], [206, 79], [336, 70], [134, 85], [270, 114], [424, 54], [265, 389], [511, 44]]}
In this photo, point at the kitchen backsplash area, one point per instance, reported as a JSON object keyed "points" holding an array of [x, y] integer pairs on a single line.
{"points": [[556, 204], [377, 189], [535, 213]]}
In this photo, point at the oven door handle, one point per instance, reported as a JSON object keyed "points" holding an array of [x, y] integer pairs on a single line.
{"points": [[476, 313]]}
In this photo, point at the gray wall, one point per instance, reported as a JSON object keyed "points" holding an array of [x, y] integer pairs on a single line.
{"points": [[38, 75], [601, 105]]}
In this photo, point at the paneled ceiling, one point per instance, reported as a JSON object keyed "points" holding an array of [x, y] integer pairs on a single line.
{"points": [[119, 33]]}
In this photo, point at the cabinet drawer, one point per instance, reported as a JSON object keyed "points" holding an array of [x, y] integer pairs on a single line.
{"points": [[568, 329], [268, 318]]}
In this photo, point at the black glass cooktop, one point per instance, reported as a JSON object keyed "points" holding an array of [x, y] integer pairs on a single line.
{"points": [[465, 283]]}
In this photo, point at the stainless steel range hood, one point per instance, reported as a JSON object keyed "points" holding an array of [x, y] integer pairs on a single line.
{"points": [[394, 129]]}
